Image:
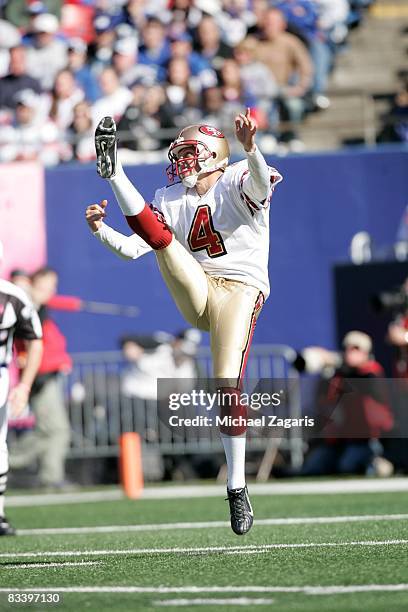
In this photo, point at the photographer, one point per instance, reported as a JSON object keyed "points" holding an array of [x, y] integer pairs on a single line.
{"points": [[352, 413], [398, 328]]}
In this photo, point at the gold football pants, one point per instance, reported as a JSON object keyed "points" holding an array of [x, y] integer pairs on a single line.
{"points": [[228, 309]]}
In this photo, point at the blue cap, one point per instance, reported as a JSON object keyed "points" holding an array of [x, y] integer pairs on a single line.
{"points": [[105, 22], [184, 36]]}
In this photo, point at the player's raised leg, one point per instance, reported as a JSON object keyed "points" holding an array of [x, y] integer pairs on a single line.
{"points": [[182, 274]]}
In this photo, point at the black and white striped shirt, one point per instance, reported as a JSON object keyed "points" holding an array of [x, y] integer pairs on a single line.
{"points": [[18, 319]]}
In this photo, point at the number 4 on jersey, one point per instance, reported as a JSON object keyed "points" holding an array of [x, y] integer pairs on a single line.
{"points": [[202, 234]]}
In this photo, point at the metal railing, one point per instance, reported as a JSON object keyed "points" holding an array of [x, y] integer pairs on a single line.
{"points": [[99, 412]]}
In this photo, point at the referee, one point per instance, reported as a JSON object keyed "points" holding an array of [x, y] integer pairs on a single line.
{"points": [[18, 319]]}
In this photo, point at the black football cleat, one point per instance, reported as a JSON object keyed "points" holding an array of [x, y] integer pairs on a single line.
{"points": [[242, 516], [5, 528], [106, 147]]}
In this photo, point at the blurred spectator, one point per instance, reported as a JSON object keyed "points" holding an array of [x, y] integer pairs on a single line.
{"points": [[48, 55], [151, 359], [17, 78], [147, 360], [29, 138], [398, 336], [181, 100], [258, 81], [213, 108], [216, 111], [115, 98], [396, 120], [290, 62], [101, 49], [260, 8], [49, 442], [333, 15], [64, 97], [143, 118], [187, 14], [352, 415], [155, 50], [209, 43], [184, 349], [81, 133], [77, 63], [235, 20], [135, 14], [233, 88], [21, 278], [181, 47], [9, 37], [302, 17], [125, 62], [21, 12]]}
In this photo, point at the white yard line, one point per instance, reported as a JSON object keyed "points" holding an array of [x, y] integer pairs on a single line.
{"points": [[52, 499], [314, 520], [251, 549], [15, 566], [355, 485], [308, 590], [237, 601]]}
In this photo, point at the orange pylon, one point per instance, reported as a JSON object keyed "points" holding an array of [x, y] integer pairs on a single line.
{"points": [[130, 464]]}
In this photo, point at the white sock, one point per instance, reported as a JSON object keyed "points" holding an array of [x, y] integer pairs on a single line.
{"points": [[1, 505], [128, 197], [234, 447]]}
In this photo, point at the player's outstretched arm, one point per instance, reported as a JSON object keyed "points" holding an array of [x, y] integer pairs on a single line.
{"points": [[257, 186], [125, 247]]}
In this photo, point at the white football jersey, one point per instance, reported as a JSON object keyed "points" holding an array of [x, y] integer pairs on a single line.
{"points": [[224, 230]]}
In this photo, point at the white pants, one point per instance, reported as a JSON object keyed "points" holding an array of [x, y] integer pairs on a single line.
{"points": [[228, 309]]}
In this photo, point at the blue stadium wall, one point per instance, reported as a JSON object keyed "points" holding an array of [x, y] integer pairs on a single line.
{"points": [[323, 201]]}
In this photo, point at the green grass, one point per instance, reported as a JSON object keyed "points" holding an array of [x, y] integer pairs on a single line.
{"points": [[296, 567]]}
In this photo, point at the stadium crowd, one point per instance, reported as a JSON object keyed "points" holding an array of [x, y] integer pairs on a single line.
{"points": [[157, 65]]}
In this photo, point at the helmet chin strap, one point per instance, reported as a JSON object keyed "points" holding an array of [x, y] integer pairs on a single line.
{"points": [[190, 181]]}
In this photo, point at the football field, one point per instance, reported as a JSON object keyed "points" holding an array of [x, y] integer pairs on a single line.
{"points": [[307, 551]]}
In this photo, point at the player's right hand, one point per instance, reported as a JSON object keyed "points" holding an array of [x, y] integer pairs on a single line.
{"points": [[94, 215]]}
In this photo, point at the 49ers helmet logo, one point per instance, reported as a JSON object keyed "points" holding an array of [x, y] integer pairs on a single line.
{"points": [[209, 130]]}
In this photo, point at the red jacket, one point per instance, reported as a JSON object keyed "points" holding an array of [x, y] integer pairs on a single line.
{"points": [[55, 357], [355, 405]]}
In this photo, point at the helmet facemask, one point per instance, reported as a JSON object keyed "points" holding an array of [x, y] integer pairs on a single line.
{"points": [[188, 167]]}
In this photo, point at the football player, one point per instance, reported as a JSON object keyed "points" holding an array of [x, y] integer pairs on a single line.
{"points": [[209, 230]]}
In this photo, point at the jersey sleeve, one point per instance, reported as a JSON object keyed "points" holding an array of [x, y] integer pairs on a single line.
{"points": [[247, 199], [125, 247]]}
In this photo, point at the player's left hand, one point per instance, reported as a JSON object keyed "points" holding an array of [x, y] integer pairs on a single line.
{"points": [[245, 130], [18, 399]]}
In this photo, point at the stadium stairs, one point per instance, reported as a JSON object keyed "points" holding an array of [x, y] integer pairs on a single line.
{"points": [[363, 81]]}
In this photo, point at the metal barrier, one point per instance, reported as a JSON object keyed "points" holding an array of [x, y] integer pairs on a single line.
{"points": [[99, 412]]}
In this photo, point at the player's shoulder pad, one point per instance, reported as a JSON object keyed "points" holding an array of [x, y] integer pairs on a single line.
{"points": [[12, 290]]}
